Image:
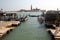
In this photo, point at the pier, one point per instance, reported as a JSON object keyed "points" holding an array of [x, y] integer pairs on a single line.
{"points": [[55, 33], [16, 23], [6, 26], [4, 31]]}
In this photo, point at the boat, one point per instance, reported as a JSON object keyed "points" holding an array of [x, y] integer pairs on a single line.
{"points": [[40, 19], [23, 19], [32, 15]]}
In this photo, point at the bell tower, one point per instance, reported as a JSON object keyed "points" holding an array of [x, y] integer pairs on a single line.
{"points": [[31, 7]]}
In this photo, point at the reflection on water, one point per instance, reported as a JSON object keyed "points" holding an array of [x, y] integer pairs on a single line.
{"points": [[29, 30]]}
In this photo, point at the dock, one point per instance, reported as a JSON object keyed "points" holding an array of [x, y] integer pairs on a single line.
{"points": [[55, 33], [4, 31], [5, 24], [6, 27], [15, 23]]}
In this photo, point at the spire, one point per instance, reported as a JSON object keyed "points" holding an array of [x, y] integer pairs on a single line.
{"points": [[31, 7]]}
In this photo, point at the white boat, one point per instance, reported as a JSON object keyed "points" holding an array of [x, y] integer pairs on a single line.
{"points": [[40, 19]]}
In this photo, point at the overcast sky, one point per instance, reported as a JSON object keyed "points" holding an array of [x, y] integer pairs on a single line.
{"points": [[25, 4]]}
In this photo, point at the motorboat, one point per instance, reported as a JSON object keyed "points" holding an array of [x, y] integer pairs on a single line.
{"points": [[40, 19]]}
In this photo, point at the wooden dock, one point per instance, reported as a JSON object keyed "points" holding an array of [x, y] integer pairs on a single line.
{"points": [[6, 26], [9, 23], [55, 32], [16, 23], [4, 31]]}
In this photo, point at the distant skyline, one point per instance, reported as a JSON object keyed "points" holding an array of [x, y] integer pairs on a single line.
{"points": [[13, 5]]}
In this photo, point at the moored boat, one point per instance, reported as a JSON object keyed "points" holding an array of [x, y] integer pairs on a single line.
{"points": [[40, 19]]}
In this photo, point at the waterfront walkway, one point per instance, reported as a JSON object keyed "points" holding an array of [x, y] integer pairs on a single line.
{"points": [[29, 30]]}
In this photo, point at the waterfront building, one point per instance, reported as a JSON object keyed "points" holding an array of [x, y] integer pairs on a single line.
{"points": [[32, 10]]}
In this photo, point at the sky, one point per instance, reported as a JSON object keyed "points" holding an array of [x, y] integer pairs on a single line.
{"points": [[10, 5]]}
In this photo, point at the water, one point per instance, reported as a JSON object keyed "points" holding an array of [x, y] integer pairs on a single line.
{"points": [[29, 30]]}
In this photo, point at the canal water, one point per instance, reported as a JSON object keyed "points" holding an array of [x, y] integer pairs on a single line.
{"points": [[29, 30]]}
